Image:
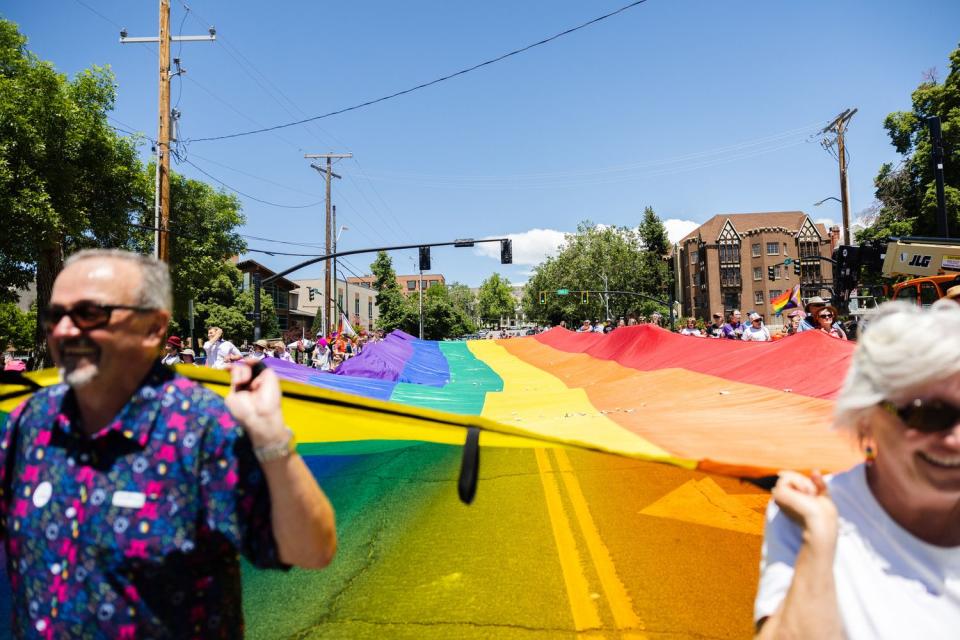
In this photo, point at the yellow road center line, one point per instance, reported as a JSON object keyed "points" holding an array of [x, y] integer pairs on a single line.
{"points": [[619, 600], [582, 606]]}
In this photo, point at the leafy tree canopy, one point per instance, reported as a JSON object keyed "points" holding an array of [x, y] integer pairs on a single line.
{"points": [[67, 180], [495, 299], [602, 258], [906, 193], [17, 328]]}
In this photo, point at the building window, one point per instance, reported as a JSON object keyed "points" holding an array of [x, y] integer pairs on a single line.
{"points": [[729, 277], [730, 252], [356, 305], [282, 300], [693, 257], [775, 293], [773, 248], [757, 273], [411, 285], [282, 322], [758, 297], [776, 272], [755, 250], [370, 309]]}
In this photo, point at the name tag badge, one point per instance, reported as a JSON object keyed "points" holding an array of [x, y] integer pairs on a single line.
{"points": [[129, 499]]}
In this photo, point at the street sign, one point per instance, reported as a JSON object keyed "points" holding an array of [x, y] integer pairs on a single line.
{"points": [[252, 315], [787, 261], [563, 292]]}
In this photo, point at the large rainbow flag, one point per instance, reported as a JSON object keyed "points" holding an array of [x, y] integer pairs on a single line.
{"points": [[578, 527]]}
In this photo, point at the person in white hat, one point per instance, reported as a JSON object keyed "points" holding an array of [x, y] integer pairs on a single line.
{"points": [[756, 331]]}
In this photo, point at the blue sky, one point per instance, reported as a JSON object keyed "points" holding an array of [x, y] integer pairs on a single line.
{"points": [[689, 106]]}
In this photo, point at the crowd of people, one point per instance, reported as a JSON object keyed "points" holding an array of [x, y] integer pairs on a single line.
{"points": [[817, 315], [183, 481], [323, 353]]}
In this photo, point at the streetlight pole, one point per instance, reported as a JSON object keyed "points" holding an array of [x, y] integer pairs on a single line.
{"points": [[420, 287]]}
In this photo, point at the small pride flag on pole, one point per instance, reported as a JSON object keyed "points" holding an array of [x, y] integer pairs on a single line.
{"points": [[788, 300]]}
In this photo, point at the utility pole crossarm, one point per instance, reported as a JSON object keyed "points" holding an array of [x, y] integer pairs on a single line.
{"points": [[162, 196]]}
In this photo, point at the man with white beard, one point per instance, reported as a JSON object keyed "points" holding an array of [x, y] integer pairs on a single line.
{"points": [[128, 493]]}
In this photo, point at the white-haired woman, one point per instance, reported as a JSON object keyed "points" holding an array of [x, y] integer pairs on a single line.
{"points": [[874, 552]]}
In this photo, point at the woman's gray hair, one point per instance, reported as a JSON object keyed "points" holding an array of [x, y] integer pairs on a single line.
{"points": [[903, 348], [155, 288]]}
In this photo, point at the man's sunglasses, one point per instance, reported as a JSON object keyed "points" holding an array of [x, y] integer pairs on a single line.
{"points": [[85, 315], [926, 416]]}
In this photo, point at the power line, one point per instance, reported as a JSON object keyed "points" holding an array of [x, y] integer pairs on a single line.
{"points": [[246, 195], [430, 83]]}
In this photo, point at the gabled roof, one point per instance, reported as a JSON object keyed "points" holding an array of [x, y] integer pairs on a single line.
{"points": [[744, 222]]}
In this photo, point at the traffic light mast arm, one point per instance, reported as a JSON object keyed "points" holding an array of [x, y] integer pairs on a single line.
{"points": [[353, 252]]}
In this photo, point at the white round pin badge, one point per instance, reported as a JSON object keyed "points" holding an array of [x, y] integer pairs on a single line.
{"points": [[41, 496]]}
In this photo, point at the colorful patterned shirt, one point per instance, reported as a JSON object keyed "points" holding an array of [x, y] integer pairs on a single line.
{"points": [[136, 531]]}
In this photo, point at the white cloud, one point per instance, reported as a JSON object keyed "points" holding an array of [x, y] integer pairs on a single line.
{"points": [[677, 229], [530, 247]]}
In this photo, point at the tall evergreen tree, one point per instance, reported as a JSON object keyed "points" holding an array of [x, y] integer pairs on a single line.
{"points": [[389, 299]]}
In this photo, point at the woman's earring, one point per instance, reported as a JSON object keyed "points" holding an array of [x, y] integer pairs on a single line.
{"points": [[870, 455]]}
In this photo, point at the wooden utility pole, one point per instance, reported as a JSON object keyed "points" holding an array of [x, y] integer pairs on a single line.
{"points": [[162, 196], [839, 126], [163, 137], [328, 172]]}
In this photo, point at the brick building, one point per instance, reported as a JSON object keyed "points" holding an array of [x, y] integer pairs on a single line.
{"points": [[358, 300], [408, 283], [282, 291], [723, 263]]}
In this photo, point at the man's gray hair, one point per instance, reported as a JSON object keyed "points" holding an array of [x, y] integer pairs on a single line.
{"points": [[155, 288], [903, 349]]}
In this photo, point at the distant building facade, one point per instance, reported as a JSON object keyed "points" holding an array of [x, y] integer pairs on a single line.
{"points": [[408, 283], [283, 292], [723, 263], [357, 300]]}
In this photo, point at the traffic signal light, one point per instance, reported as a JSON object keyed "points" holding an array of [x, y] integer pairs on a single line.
{"points": [[506, 252], [771, 273], [543, 297], [584, 297], [311, 291], [796, 268], [424, 258]]}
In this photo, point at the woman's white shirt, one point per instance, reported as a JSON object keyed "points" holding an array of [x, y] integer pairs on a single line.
{"points": [[890, 584]]}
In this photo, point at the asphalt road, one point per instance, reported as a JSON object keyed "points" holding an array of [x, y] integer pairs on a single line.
{"points": [[558, 544]]}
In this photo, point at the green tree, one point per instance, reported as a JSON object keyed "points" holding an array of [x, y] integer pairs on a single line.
{"points": [[232, 317], [204, 238], [441, 318], [389, 300], [906, 193], [655, 273], [495, 300], [464, 300], [67, 180], [17, 328], [596, 258]]}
